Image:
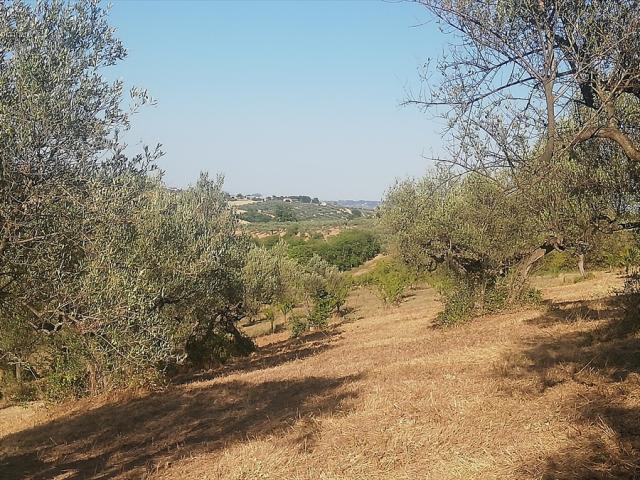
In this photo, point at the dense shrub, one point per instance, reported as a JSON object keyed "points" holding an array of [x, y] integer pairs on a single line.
{"points": [[459, 306], [350, 248], [390, 277], [253, 216], [298, 324], [324, 304], [285, 213], [271, 277], [464, 299], [346, 250], [107, 278]]}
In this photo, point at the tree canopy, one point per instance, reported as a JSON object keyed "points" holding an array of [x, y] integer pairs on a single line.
{"points": [[107, 278], [556, 73]]}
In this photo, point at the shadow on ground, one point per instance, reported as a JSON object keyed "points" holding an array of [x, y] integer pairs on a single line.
{"points": [[129, 439], [271, 356], [595, 360]]}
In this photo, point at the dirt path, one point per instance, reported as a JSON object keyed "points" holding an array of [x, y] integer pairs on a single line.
{"points": [[532, 394]]}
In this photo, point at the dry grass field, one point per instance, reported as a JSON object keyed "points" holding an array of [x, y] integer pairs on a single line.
{"points": [[548, 393]]}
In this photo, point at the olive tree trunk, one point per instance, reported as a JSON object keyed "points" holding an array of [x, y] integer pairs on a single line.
{"points": [[581, 264], [521, 274]]}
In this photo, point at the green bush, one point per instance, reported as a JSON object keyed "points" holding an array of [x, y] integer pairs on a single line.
{"points": [[267, 242], [255, 217], [346, 250], [323, 305], [392, 287], [495, 298], [465, 300], [391, 279], [459, 306], [350, 249], [298, 324], [273, 280], [285, 213]]}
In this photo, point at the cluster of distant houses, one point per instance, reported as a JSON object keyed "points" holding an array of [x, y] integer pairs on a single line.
{"points": [[257, 197]]}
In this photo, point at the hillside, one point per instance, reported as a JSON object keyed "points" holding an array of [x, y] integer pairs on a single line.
{"points": [[541, 393], [280, 211], [361, 204]]}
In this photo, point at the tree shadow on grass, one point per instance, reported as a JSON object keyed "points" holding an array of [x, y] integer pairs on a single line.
{"points": [[597, 364], [270, 356], [578, 311], [127, 440]]}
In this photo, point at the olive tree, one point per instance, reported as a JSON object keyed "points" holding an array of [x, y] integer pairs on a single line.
{"points": [[518, 70], [272, 277], [467, 223], [106, 276], [162, 283], [490, 231], [58, 144], [542, 99]]}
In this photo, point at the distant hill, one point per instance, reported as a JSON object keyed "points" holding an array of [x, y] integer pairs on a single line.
{"points": [[290, 210], [363, 204]]}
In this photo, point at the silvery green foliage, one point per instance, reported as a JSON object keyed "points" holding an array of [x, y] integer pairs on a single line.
{"points": [[59, 121], [271, 277], [321, 276], [105, 276], [486, 227], [161, 274], [541, 101], [468, 223]]}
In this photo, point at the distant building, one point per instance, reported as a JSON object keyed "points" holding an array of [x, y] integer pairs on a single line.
{"points": [[287, 200]]}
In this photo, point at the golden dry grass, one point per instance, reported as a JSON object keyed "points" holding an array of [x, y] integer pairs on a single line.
{"points": [[544, 393]]}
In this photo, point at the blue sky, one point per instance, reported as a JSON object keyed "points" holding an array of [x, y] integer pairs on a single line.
{"points": [[281, 97]]}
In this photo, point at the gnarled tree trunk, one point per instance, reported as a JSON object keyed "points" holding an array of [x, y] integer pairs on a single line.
{"points": [[521, 275], [581, 264]]}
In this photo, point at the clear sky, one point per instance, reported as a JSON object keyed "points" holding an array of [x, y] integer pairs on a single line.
{"points": [[289, 97]]}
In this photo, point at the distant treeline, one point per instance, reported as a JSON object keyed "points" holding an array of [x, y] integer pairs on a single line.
{"points": [[294, 198]]}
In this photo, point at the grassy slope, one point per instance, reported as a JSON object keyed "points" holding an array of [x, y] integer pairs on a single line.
{"points": [[523, 395], [302, 211]]}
